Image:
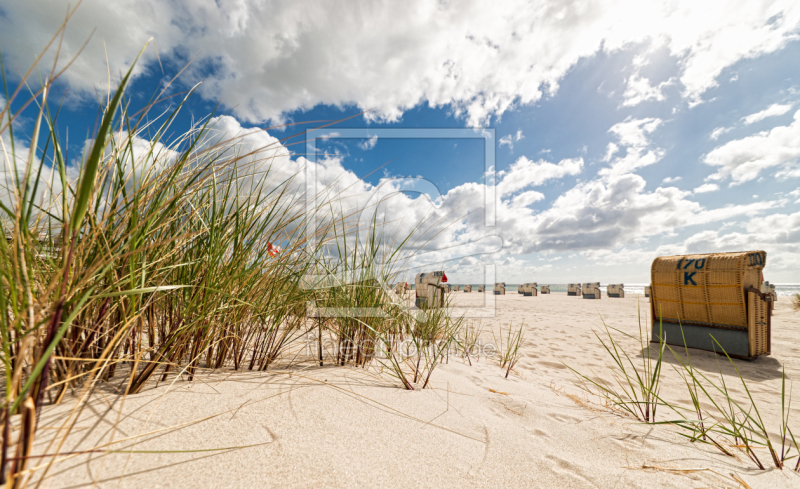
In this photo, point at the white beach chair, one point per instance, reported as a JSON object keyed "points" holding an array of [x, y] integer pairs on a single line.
{"points": [[616, 290], [430, 290]]}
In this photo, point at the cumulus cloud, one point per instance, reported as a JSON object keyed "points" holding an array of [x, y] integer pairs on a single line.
{"points": [[265, 59], [632, 134], [716, 133], [527, 173], [671, 179], [12, 170], [771, 111], [778, 234], [743, 160], [510, 139], [611, 210], [706, 188], [639, 90], [369, 143]]}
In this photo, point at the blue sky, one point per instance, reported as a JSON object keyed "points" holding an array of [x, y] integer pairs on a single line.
{"points": [[623, 131]]}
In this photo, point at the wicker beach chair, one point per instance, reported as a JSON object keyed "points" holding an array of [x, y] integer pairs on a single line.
{"points": [[591, 290], [715, 301], [574, 289], [430, 290], [499, 288], [531, 289], [616, 290]]}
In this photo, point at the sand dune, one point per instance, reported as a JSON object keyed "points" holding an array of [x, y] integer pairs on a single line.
{"points": [[332, 426]]}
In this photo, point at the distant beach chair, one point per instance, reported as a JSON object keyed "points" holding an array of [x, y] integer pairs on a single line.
{"points": [[481, 288], [768, 288], [401, 288], [591, 290], [467, 288], [616, 290], [574, 289], [647, 291], [499, 288], [713, 300], [455, 287], [545, 289], [430, 290], [531, 289]]}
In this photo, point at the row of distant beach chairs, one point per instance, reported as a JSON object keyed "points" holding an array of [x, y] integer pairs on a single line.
{"points": [[715, 301], [589, 290]]}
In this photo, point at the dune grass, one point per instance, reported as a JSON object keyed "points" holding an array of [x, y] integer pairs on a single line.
{"points": [[509, 349], [469, 344], [731, 425], [795, 299], [169, 255], [635, 389]]}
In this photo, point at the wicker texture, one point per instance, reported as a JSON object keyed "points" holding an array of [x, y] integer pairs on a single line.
{"points": [[706, 289], [545, 289], [758, 319]]}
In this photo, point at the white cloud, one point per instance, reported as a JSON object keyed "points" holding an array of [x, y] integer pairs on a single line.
{"points": [[510, 139], [706, 188], [527, 198], [639, 90], [633, 132], [788, 171], [369, 143], [778, 234], [611, 150], [527, 173], [672, 179], [716, 133], [742, 160], [264, 60], [633, 135], [771, 111]]}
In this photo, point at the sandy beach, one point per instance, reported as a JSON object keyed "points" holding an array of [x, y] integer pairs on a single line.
{"points": [[335, 426]]}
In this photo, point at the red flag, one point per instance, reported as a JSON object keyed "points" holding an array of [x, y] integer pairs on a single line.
{"points": [[444, 278]]}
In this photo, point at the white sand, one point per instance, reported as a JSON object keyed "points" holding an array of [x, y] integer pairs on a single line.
{"points": [[347, 427]]}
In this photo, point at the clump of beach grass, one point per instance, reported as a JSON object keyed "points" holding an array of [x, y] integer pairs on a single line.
{"points": [[470, 341], [635, 387], [166, 256], [510, 349], [731, 425], [734, 423], [795, 298]]}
